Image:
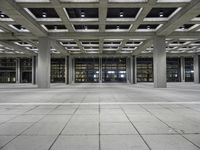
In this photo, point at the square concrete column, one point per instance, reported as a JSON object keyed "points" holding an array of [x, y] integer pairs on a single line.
{"points": [[34, 63], [182, 69], [69, 70], [66, 71], [18, 71], [159, 62], [100, 69], [196, 69], [132, 70], [43, 72]]}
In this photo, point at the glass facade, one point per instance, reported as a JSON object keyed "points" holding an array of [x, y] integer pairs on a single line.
{"points": [[173, 70], [86, 70], [7, 70], [114, 70], [57, 70], [26, 70], [144, 69], [189, 70]]}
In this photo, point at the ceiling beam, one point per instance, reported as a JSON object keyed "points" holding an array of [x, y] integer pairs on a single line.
{"points": [[16, 47], [187, 13], [17, 13]]}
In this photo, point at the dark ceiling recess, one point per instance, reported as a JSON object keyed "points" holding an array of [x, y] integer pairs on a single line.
{"points": [[178, 42], [55, 27], [19, 27], [82, 12], [117, 27], [64, 43], [2, 15], [44, 12], [160, 12], [148, 26], [86, 27], [112, 42], [110, 47], [88, 42], [73, 47], [133, 42], [186, 26], [91, 47], [122, 12]]}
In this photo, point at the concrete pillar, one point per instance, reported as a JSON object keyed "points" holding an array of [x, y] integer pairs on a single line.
{"points": [[66, 71], [100, 69], [132, 70], [182, 69], [70, 70], [18, 71], [196, 69], [128, 70], [34, 63], [43, 72], [159, 62]]}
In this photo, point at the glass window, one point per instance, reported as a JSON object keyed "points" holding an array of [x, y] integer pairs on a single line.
{"points": [[26, 70], [7, 70], [86, 70], [114, 69], [144, 69], [173, 70], [57, 70], [189, 70]]}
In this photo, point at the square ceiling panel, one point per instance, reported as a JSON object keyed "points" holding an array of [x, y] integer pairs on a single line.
{"points": [[148, 27], [55, 28], [82, 12], [122, 12], [43, 12], [118, 28], [160, 12], [187, 27], [86, 28]]}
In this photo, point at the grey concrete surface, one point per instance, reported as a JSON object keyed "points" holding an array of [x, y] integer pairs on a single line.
{"points": [[100, 117]]}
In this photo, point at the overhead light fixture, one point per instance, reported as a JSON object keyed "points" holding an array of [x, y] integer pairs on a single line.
{"points": [[2, 15], [182, 27], [121, 14], [82, 14], [22, 28], [161, 13], [148, 27], [44, 14]]}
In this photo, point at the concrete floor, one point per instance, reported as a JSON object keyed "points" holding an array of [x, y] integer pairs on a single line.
{"points": [[100, 117]]}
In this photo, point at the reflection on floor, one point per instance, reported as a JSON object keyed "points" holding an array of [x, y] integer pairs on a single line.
{"points": [[100, 117]]}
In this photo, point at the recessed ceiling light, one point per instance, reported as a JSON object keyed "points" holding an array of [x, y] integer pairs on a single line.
{"points": [[82, 14], [121, 14], [2, 15], [161, 14], [22, 28], [182, 27], [44, 14]]}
